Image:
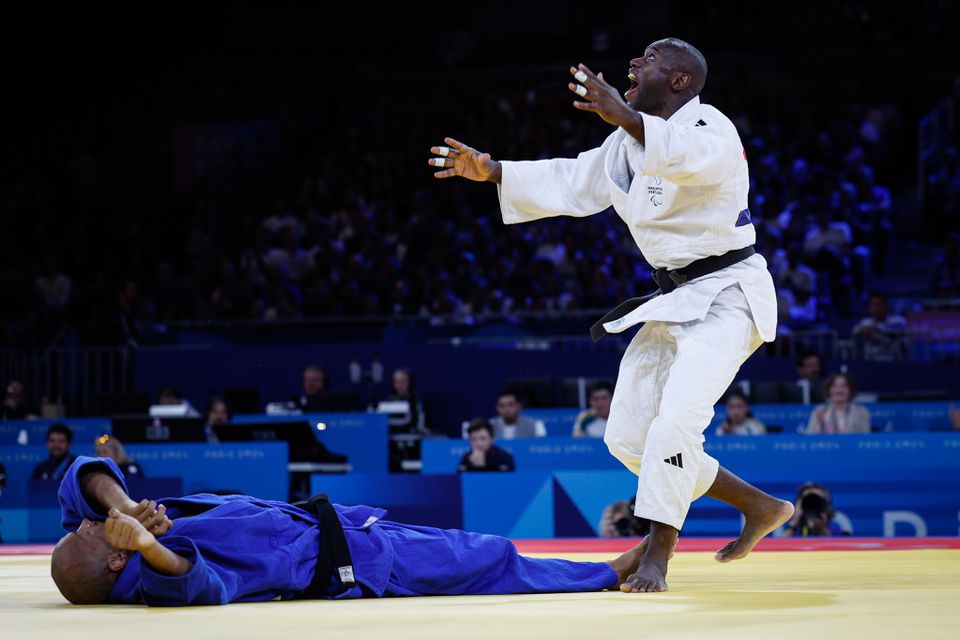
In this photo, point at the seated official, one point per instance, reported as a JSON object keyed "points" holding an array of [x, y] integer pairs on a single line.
{"points": [[483, 454], [239, 549], [59, 439], [592, 423], [510, 423], [218, 413]]}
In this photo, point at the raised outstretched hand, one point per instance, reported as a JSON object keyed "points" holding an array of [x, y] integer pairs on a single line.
{"points": [[458, 159], [599, 97]]}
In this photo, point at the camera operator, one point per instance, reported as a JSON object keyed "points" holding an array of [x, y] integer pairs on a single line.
{"points": [[814, 515], [618, 521]]}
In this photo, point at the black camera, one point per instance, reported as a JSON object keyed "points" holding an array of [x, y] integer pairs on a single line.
{"points": [[813, 503]]}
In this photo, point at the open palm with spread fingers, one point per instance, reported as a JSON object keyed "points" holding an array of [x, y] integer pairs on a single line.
{"points": [[458, 159], [599, 97]]}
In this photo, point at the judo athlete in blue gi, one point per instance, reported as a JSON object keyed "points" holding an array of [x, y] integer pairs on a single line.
{"points": [[241, 549]]}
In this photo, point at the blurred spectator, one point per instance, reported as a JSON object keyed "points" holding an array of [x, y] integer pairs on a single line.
{"points": [[814, 514], [510, 424], [954, 417], [618, 521], [593, 422], [59, 438], [170, 396], [315, 384], [739, 420], [839, 414], [106, 446], [883, 335], [15, 405], [218, 413], [809, 376], [946, 269], [484, 455], [403, 389]]}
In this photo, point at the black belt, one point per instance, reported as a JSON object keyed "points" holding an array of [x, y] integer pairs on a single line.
{"points": [[334, 553], [668, 280]]}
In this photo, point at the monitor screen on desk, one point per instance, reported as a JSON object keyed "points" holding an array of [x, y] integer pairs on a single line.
{"points": [[333, 402], [138, 429], [297, 433]]}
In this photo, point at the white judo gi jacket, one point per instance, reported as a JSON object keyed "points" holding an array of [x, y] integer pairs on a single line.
{"points": [[683, 195]]}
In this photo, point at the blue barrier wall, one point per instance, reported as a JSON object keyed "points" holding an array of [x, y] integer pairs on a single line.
{"points": [[426, 500], [543, 504], [30, 513], [562, 485], [883, 484]]}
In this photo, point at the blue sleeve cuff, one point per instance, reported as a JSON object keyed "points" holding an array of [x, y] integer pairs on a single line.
{"points": [[199, 586], [73, 506]]}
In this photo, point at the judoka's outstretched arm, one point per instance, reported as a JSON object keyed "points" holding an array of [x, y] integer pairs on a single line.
{"points": [[530, 190]]}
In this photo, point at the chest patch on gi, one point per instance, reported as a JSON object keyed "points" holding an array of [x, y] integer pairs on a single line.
{"points": [[743, 219], [655, 191]]}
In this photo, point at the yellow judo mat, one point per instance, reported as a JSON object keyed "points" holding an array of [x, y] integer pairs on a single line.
{"points": [[813, 595]]}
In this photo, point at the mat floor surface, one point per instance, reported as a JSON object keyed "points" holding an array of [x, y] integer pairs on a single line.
{"points": [[893, 592]]}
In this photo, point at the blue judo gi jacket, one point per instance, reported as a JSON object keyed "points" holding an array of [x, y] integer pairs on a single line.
{"points": [[243, 549]]}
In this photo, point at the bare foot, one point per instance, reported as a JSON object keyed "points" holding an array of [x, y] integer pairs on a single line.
{"points": [[758, 524], [648, 578], [628, 562]]}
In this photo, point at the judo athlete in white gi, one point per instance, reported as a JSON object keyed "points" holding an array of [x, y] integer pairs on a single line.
{"points": [[676, 173]]}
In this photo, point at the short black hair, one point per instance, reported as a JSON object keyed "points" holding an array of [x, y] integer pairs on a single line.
{"points": [[510, 392], [479, 424], [603, 385], [59, 427], [807, 354], [736, 393], [170, 390]]}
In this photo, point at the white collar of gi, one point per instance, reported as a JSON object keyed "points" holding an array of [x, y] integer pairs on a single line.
{"points": [[686, 110]]}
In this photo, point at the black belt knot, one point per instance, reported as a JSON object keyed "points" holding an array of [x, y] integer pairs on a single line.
{"points": [[334, 558], [668, 280]]}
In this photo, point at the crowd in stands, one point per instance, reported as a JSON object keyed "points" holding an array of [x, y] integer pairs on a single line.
{"points": [[366, 232]]}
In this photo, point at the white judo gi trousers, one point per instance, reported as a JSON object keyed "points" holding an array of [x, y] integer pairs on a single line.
{"points": [[670, 377]]}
